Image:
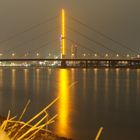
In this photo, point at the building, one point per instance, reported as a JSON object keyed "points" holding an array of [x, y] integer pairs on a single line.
{"points": [[73, 51]]}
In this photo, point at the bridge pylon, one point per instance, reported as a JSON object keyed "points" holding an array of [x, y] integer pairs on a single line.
{"points": [[63, 35]]}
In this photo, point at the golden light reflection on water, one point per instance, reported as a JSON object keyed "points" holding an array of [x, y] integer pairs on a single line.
{"points": [[106, 85], [127, 86], [37, 81], [62, 126], [48, 83], [1, 78], [13, 86], [13, 80], [95, 87], [26, 79], [138, 87], [138, 80], [117, 85], [96, 80], [73, 74], [49, 71], [1, 86], [73, 80], [84, 82]]}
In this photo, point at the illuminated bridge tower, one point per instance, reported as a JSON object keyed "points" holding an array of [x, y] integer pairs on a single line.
{"points": [[63, 34]]}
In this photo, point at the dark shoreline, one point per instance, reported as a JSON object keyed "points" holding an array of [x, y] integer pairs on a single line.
{"points": [[43, 135]]}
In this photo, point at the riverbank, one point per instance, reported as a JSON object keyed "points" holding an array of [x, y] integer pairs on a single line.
{"points": [[40, 135]]}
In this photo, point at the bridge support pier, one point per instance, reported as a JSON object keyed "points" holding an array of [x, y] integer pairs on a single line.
{"points": [[63, 63], [86, 64]]}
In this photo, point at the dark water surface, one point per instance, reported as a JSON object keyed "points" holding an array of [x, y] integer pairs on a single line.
{"points": [[88, 100]]}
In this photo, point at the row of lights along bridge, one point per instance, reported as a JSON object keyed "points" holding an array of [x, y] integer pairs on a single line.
{"points": [[74, 56]]}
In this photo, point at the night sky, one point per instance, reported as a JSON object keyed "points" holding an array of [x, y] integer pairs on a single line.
{"points": [[118, 19]]}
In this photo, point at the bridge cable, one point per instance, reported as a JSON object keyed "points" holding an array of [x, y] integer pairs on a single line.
{"points": [[27, 30], [41, 46], [96, 42], [28, 41], [81, 45], [103, 35], [44, 45]]}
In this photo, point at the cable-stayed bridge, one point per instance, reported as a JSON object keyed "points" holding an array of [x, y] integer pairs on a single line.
{"points": [[67, 45]]}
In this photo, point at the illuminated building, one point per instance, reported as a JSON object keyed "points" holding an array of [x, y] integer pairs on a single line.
{"points": [[73, 52]]}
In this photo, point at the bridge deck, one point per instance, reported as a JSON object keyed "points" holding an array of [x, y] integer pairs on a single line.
{"points": [[43, 59]]}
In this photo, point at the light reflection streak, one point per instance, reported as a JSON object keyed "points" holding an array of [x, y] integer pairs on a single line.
{"points": [[95, 86], [84, 81], [117, 87], [73, 74], [138, 80], [1, 78], [106, 86], [26, 79], [63, 103], [49, 71], [138, 88], [37, 81], [1, 86], [13, 86], [127, 85]]}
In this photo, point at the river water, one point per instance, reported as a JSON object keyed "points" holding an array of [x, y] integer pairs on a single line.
{"points": [[89, 99]]}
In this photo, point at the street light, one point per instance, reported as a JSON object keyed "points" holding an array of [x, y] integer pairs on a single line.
{"points": [[117, 55], [13, 54], [37, 54], [106, 55], [49, 54], [95, 55], [26, 54], [127, 55], [84, 54]]}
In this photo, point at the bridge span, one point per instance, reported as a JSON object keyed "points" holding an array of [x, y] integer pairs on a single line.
{"points": [[78, 63]]}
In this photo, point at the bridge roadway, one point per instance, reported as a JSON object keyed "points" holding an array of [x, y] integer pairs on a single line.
{"points": [[129, 63]]}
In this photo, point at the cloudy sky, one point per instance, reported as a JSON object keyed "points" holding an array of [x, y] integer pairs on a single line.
{"points": [[119, 19]]}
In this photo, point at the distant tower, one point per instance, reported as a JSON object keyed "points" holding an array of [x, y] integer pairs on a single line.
{"points": [[73, 51], [63, 40]]}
